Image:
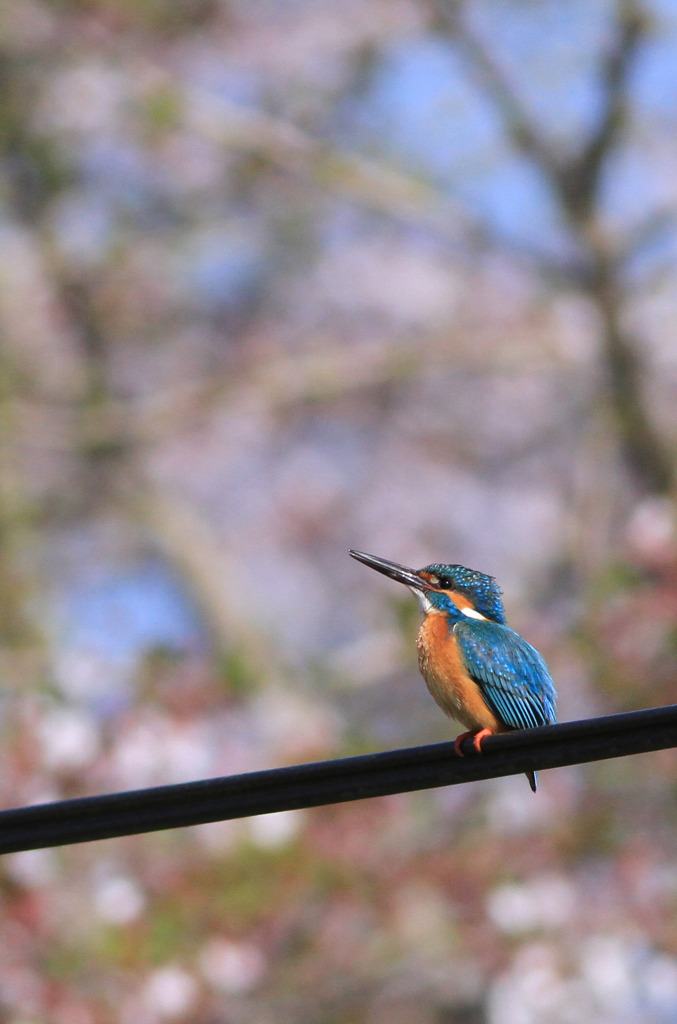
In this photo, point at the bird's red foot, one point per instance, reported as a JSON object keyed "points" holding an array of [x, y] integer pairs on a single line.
{"points": [[477, 738], [459, 740]]}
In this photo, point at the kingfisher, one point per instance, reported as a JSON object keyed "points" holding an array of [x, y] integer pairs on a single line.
{"points": [[478, 670]]}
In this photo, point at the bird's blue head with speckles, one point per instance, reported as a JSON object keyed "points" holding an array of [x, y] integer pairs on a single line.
{"points": [[447, 588], [481, 591]]}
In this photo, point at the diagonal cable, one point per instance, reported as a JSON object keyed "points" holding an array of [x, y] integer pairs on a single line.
{"points": [[336, 781]]}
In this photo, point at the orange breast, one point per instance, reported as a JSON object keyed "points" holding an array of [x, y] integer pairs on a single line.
{"points": [[441, 665]]}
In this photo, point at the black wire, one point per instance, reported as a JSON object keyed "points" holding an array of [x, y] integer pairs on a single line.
{"points": [[329, 782]]}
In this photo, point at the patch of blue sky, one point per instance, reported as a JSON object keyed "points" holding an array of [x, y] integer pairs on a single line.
{"points": [[633, 189], [123, 614], [514, 199], [108, 621], [654, 78], [550, 52], [421, 107], [423, 110], [222, 264]]}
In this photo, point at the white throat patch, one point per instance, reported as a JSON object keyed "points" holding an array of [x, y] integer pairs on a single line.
{"points": [[424, 602]]}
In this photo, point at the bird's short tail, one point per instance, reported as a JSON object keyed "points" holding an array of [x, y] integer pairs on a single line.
{"points": [[532, 781]]}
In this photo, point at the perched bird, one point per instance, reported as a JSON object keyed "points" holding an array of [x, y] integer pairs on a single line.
{"points": [[478, 670]]}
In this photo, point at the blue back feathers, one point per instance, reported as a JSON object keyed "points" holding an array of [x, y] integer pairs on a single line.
{"points": [[481, 590], [511, 674]]}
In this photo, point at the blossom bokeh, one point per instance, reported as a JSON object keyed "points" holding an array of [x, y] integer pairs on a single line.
{"points": [[278, 279]]}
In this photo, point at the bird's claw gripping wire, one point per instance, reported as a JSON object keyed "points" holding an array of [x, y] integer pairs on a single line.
{"points": [[477, 737]]}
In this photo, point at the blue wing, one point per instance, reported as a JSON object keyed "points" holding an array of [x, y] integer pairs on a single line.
{"points": [[511, 674]]}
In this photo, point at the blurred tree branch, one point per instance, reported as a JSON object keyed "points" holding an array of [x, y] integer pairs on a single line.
{"points": [[576, 181], [373, 184], [22, 645], [212, 575]]}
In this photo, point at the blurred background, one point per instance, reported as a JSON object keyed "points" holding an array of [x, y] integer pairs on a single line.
{"points": [[280, 278]]}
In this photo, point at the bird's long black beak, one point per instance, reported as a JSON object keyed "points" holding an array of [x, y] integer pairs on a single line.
{"points": [[393, 570]]}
